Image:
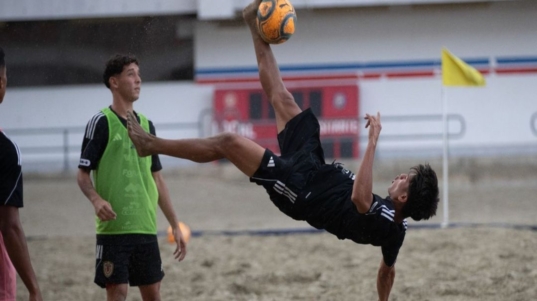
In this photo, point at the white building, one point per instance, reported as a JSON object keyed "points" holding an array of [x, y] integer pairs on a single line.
{"points": [[389, 49]]}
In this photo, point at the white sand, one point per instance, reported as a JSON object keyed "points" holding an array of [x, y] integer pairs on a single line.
{"points": [[483, 263]]}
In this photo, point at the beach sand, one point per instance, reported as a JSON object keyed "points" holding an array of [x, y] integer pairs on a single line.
{"points": [[482, 257]]}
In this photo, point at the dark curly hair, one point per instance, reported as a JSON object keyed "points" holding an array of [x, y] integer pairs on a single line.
{"points": [[2, 55], [115, 66], [422, 200]]}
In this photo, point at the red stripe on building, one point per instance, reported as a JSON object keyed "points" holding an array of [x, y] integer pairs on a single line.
{"points": [[410, 74], [285, 78], [516, 70]]}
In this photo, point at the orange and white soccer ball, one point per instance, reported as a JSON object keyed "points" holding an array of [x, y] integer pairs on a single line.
{"points": [[185, 230], [276, 20]]}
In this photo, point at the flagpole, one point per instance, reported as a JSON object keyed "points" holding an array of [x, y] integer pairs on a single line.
{"points": [[445, 174], [455, 72]]}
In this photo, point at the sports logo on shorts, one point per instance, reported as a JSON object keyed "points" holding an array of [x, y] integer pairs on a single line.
{"points": [[108, 268], [271, 162]]}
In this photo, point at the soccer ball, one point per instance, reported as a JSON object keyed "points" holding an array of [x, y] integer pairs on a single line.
{"points": [[276, 21], [185, 230]]}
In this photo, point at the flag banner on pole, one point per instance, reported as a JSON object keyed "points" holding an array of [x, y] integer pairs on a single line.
{"points": [[455, 72]]}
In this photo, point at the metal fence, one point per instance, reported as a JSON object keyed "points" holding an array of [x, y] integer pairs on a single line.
{"points": [[62, 143], [58, 145], [533, 124], [57, 149]]}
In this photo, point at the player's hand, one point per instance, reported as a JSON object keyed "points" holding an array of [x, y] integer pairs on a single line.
{"points": [[104, 210], [373, 122], [180, 251]]}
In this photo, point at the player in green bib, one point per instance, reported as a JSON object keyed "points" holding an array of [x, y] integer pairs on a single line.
{"points": [[125, 191], [125, 178]]}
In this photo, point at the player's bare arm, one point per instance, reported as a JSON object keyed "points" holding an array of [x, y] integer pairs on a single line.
{"points": [[269, 73], [17, 249], [385, 279], [268, 68], [165, 205], [103, 209], [362, 191]]}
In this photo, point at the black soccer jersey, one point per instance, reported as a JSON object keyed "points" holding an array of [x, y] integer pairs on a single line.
{"points": [[10, 173], [96, 139], [303, 187], [328, 206]]}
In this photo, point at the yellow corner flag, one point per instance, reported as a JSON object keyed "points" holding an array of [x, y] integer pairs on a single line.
{"points": [[455, 72]]}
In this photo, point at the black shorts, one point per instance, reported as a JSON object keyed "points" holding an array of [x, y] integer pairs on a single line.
{"points": [[285, 176], [136, 264]]}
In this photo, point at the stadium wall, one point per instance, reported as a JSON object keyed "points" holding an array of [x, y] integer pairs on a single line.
{"points": [[44, 120], [497, 120], [382, 34]]}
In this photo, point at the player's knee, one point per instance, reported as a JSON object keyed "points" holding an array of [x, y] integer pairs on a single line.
{"points": [[228, 141], [116, 292]]}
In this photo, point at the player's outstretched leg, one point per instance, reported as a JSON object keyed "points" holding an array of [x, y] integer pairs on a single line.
{"points": [[283, 102], [245, 154]]}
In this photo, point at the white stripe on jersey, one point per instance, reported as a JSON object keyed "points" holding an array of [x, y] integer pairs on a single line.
{"points": [[385, 211], [19, 159], [388, 212], [387, 216], [14, 187], [92, 124], [19, 162]]}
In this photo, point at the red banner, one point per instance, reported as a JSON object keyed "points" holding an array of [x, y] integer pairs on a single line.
{"points": [[248, 113]]}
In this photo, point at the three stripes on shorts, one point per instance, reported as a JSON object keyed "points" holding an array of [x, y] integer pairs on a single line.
{"points": [[280, 188]]}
